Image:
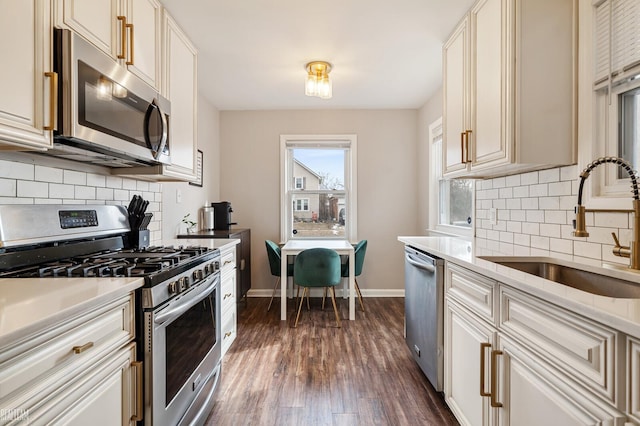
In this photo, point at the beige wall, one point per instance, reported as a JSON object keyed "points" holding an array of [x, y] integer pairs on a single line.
{"points": [[194, 197], [430, 112], [387, 180]]}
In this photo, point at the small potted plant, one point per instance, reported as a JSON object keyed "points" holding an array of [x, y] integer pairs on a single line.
{"points": [[191, 225]]}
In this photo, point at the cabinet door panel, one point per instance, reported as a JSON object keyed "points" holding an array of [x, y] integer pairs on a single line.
{"points": [[95, 20], [25, 40], [464, 336], [454, 62], [145, 15], [633, 378], [487, 82]]}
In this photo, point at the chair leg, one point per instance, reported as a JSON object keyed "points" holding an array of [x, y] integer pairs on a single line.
{"points": [[335, 308], [324, 296], [273, 294], [300, 307], [359, 294], [308, 294]]}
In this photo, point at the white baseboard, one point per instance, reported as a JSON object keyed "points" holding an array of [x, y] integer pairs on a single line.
{"points": [[317, 292]]}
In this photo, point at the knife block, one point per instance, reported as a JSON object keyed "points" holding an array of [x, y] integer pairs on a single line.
{"points": [[139, 238]]}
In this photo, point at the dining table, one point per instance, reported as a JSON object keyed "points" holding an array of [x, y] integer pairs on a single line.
{"points": [[293, 247]]}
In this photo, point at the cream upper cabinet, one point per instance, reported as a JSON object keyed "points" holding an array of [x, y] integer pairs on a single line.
{"points": [[508, 81], [26, 79], [128, 31], [181, 88]]}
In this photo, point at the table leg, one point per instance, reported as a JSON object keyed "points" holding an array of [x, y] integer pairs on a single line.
{"points": [[352, 286], [283, 286]]}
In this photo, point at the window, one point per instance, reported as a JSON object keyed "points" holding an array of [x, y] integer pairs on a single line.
{"points": [[301, 205], [451, 200], [318, 186], [614, 71]]}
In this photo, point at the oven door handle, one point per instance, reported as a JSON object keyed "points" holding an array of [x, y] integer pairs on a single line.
{"points": [[187, 303]]}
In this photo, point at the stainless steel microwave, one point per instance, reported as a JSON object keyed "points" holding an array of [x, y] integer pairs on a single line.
{"points": [[106, 115]]}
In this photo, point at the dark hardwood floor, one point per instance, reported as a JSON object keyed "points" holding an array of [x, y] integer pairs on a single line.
{"points": [[318, 374]]}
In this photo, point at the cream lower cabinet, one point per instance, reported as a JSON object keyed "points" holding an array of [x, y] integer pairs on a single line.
{"points": [[509, 88], [80, 371], [27, 83], [512, 359], [228, 277], [633, 378]]}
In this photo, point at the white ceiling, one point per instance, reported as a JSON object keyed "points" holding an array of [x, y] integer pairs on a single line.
{"points": [[386, 54]]}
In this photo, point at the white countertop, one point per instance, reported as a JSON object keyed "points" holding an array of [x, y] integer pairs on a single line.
{"points": [[29, 304], [219, 243], [621, 314]]}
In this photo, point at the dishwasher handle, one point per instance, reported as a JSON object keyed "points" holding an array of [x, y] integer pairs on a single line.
{"points": [[418, 264]]}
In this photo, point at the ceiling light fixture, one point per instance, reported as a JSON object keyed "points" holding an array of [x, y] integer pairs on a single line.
{"points": [[318, 83]]}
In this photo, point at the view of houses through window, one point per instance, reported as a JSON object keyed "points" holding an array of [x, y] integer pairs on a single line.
{"points": [[318, 193]]}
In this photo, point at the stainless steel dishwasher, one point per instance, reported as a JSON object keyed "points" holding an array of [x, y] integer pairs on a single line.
{"points": [[423, 311]]}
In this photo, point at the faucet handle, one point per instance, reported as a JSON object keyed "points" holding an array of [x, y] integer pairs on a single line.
{"points": [[615, 239]]}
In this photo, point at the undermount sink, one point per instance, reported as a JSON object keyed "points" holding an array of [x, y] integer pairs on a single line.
{"points": [[572, 275]]}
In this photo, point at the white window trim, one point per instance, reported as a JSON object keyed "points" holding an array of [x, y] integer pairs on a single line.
{"points": [[435, 132], [299, 180], [351, 173]]}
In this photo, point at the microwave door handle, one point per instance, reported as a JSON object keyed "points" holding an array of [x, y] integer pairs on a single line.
{"points": [[165, 132]]}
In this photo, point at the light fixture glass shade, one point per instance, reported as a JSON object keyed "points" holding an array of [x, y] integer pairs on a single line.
{"points": [[318, 82]]}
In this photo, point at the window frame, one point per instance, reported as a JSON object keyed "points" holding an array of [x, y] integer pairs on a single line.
{"points": [[347, 142], [298, 203], [435, 196]]}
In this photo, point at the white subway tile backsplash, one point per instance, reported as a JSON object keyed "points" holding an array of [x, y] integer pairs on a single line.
{"points": [[28, 188], [540, 190], [540, 214], [550, 175], [15, 170], [8, 187], [25, 183], [75, 178], [48, 174]]}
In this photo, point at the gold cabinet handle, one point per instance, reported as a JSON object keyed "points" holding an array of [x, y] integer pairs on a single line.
{"points": [[130, 28], [53, 97], [483, 347], [467, 133], [80, 349], [226, 262], [494, 379], [227, 295], [123, 36], [227, 334], [139, 414], [462, 159]]}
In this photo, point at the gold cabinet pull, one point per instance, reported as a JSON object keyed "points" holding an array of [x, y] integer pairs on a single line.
{"points": [[462, 160], [130, 28], [227, 295], [53, 97], [227, 334], [483, 347], [226, 262], [139, 414], [123, 37], [467, 133], [80, 349], [494, 379]]}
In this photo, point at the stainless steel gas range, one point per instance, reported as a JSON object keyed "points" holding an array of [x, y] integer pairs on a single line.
{"points": [[178, 308]]}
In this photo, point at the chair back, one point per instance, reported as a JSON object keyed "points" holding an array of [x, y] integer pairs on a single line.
{"points": [[317, 267], [358, 253], [273, 252]]}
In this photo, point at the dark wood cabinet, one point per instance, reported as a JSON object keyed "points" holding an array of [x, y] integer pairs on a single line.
{"points": [[243, 254]]}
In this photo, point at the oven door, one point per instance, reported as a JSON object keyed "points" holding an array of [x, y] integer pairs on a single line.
{"points": [[182, 354]]}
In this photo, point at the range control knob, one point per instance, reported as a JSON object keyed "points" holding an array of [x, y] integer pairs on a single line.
{"points": [[173, 287], [198, 274], [183, 283]]}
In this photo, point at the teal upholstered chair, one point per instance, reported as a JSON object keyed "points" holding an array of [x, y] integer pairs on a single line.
{"points": [[317, 267], [359, 251], [273, 253]]}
